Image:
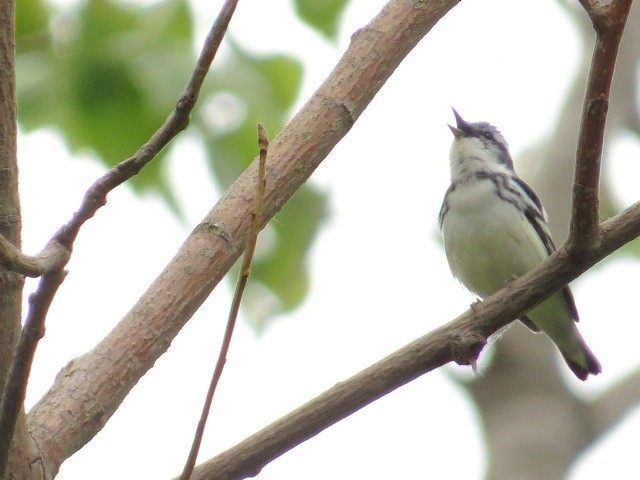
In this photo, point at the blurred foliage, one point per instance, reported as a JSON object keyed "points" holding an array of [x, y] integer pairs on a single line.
{"points": [[323, 15], [247, 88], [106, 74], [97, 74]]}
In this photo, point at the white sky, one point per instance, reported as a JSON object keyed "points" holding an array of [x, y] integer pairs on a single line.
{"points": [[380, 278]]}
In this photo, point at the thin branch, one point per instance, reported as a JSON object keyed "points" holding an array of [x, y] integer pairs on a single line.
{"points": [[16, 388], [57, 252], [256, 222], [609, 22], [53, 257], [458, 341]]}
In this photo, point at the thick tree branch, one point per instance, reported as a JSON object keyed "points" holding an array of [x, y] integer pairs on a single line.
{"points": [[90, 388], [458, 341], [609, 22]]}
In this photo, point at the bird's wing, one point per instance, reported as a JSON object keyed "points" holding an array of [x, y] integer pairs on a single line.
{"points": [[537, 217]]}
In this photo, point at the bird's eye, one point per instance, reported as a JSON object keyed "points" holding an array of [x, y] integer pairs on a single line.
{"points": [[488, 135]]}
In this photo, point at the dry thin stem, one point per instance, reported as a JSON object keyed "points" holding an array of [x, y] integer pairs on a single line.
{"points": [[32, 332], [256, 222], [609, 22]]}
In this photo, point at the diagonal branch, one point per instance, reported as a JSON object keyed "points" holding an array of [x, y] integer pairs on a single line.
{"points": [[458, 341], [33, 331], [608, 21], [89, 390], [596, 10]]}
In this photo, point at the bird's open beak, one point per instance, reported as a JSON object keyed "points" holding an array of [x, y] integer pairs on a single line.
{"points": [[462, 128]]}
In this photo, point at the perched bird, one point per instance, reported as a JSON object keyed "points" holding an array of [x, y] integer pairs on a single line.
{"points": [[495, 229]]}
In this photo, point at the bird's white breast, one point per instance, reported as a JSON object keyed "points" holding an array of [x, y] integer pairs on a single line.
{"points": [[488, 241]]}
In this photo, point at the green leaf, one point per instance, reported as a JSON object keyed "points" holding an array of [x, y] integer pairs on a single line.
{"points": [[283, 270], [244, 90], [101, 78], [323, 15]]}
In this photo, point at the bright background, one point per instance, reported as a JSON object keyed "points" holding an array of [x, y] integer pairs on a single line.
{"points": [[379, 274]]}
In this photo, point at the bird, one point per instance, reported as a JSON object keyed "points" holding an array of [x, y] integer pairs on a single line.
{"points": [[495, 229]]}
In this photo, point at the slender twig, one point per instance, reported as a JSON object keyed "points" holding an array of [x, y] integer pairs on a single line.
{"points": [[263, 144], [32, 332], [608, 21], [55, 256]]}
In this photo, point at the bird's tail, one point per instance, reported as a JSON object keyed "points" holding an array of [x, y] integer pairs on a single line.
{"points": [[557, 320], [581, 359]]}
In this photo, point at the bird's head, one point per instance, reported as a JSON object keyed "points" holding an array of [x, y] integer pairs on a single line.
{"points": [[478, 146]]}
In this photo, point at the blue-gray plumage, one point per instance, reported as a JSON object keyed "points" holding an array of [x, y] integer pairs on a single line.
{"points": [[495, 229]]}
